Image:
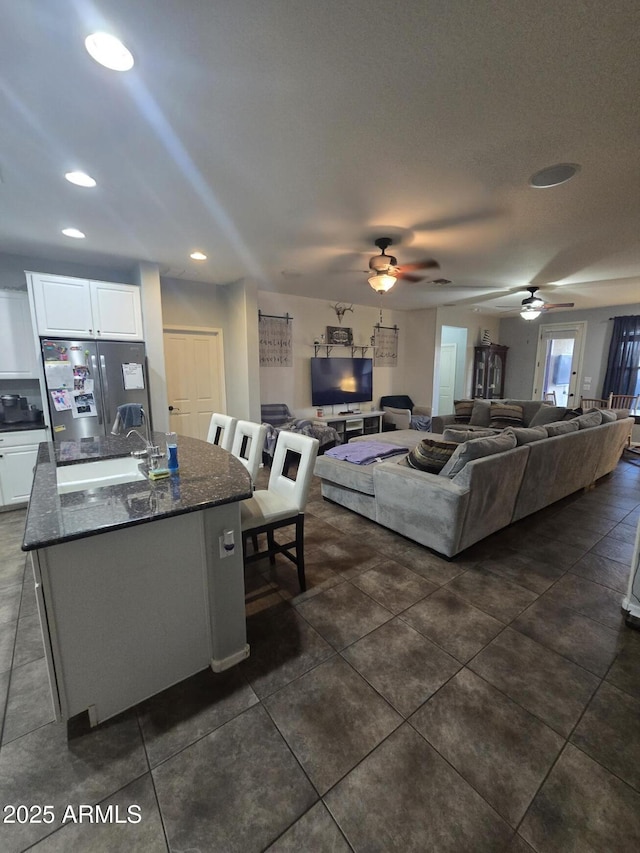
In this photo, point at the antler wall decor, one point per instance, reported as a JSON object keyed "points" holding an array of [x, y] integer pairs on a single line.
{"points": [[341, 309]]}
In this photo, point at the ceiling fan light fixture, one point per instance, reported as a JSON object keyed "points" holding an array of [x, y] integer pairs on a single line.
{"points": [[528, 312], [382, 282]]}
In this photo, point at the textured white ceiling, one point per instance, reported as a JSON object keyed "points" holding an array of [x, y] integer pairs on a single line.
{"points": [[282, 136]]}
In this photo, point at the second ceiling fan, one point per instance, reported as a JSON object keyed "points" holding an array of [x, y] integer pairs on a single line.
{"points": [[533, 305], [386, 270]]}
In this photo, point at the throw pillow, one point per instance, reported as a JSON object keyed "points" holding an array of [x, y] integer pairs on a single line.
{"points": [[480, 413], [504, 414], [608, 415], [476, 449], [570, 414], [589, 420], [525, 435], [463, 409], [430, 455], [562, 427], [547, 415], [461, 434]]}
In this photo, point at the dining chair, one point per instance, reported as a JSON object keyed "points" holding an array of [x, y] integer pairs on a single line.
{"points": [[248, 442], [282, 503], [221, 430], [595, 403], [550, 397], [624, 401]]}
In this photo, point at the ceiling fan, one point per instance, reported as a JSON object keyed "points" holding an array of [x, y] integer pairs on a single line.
{"points": [[386, 270], [533, 305]]}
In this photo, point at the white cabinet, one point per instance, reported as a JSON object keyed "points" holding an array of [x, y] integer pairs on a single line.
{"points": [[17, 348], [18, 454], [76, 307]]}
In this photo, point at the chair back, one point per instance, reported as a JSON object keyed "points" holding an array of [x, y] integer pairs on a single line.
{"points": [[624, 401], [550, 397], [221, 430], [248, 444], [595, 403], [295, 491]]}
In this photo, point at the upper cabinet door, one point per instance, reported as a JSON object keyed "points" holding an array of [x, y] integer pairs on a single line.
{"points": [[63, 306], [77, 308], [117, 311], [17, 350]]}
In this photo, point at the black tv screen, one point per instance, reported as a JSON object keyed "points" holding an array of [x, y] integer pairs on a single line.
{"points": [[341, 380]]}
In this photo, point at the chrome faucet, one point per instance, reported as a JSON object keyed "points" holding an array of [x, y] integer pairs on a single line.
{"points": [[151, 451]]}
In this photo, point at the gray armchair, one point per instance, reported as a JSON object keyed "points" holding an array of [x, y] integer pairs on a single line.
{"points": [[400, 412]]}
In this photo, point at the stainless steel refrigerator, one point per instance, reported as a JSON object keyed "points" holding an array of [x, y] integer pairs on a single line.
{"points": [[87, 381]]}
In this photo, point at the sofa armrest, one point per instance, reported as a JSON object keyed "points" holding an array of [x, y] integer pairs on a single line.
{"points": [[427, 508], [400, 418], [422, 410], [440, 422]]}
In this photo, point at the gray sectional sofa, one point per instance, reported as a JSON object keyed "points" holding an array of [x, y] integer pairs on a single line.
{"points": [[448, 514]]}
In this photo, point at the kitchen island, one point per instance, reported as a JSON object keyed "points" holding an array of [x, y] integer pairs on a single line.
{"points": [[139, 582]]}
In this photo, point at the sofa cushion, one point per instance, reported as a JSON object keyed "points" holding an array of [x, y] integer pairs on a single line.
{"points": [[463, 409], [591, 419], [525, 435], [431, 455], [548, 415], [504, 413], [562, 427], [608, 415], [480, 415], [476, 448], [570, 414], [458, 433], [529, 409]]}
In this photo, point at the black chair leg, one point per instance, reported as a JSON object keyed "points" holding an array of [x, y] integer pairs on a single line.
{"points": [[254, 542], [300, 552], [271, 547]]}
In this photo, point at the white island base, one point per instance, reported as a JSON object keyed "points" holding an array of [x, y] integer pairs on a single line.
{"points": [[130, 612]]}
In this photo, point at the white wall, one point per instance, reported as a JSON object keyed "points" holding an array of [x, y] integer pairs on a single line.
{"points": [[292, 385]]}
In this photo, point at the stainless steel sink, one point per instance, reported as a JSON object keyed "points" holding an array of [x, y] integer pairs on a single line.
{"points": [[95, 475]]}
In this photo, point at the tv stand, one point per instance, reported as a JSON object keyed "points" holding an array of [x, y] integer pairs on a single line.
{"points": [[350, 424]]}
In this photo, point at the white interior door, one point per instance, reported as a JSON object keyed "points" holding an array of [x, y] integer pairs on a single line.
{"points": [[559, 362], [194, 362], [446, 393]]}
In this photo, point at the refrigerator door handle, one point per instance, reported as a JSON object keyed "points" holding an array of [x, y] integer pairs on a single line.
{"points": [[105, 389], [94, 365]]}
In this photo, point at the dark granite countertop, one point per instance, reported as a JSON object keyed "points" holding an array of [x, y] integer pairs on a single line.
{"points": [[208, 477]]}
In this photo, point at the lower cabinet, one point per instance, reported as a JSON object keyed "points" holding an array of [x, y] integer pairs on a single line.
{"points": [[18, 454]]}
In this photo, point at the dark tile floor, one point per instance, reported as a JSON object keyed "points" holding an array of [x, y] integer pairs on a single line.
{"points": [[403, 703]]}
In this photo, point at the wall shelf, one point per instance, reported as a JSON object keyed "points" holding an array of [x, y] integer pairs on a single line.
{"points": [[352, 347]]}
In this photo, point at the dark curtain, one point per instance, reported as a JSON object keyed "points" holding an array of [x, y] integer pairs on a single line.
{"points": [[624, 357]]}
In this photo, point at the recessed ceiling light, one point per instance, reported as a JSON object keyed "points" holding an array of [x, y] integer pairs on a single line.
{"points": [[109, 51], [553, 176], [198, 256], [80, 179], [73, 232]]}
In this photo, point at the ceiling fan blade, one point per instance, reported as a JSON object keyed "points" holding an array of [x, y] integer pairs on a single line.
{"points": [[425, 264], [559, 305], [405, 276]]}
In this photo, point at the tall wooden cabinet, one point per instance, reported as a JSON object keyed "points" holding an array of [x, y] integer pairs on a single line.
{"points": [[489, 366]]}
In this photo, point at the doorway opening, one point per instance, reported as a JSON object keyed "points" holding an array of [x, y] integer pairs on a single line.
{"points": [[559, 362], [453, 356]]}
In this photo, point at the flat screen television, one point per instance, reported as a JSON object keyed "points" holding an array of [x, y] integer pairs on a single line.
{"points": [[341, 381]]}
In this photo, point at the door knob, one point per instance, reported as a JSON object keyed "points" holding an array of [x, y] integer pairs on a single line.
{"points": [[174, 409]]}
